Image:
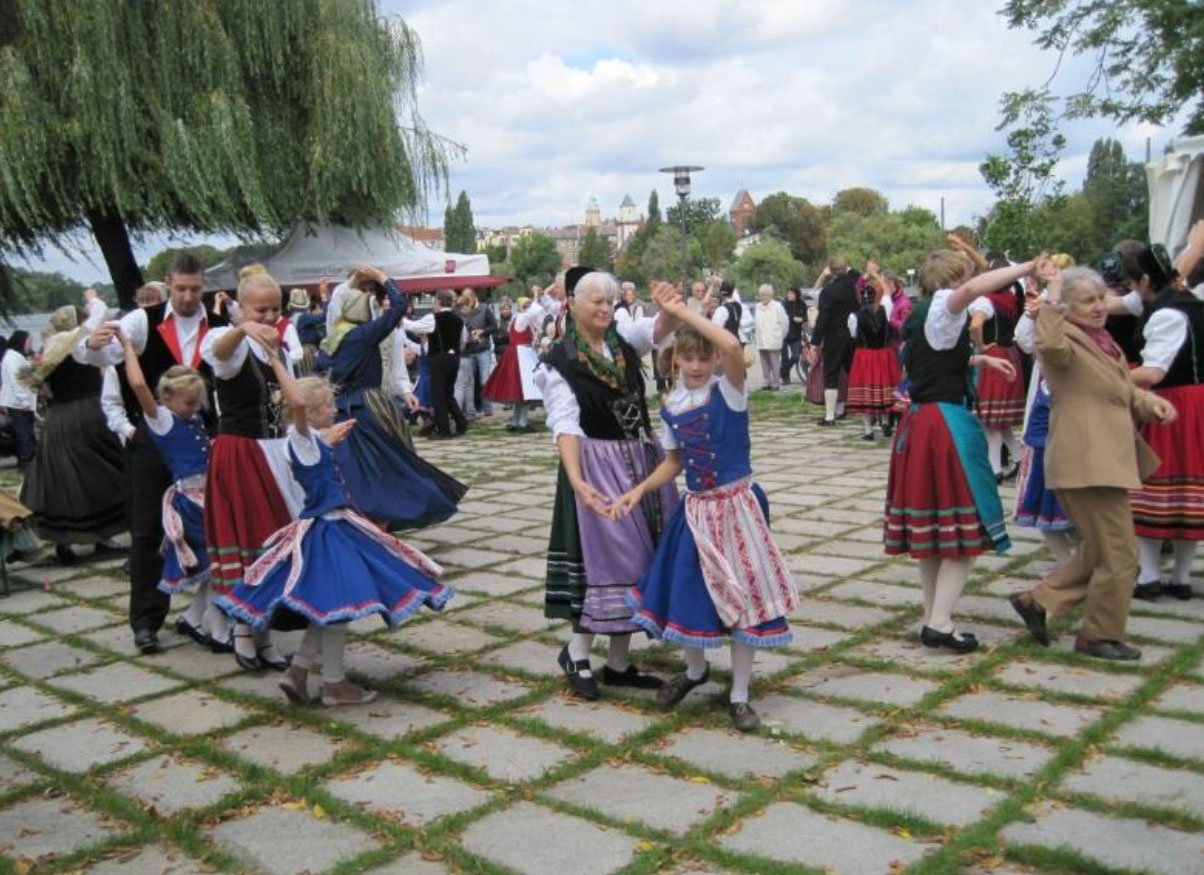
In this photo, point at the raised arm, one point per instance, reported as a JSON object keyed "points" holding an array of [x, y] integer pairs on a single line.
{"points": [[730, 350], [137, 379], [985, 283], [288, 388]]}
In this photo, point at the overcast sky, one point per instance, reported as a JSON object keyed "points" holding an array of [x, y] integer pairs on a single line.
{"points": [[556, 102]]}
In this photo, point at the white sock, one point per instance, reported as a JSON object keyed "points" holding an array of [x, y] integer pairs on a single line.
{"points": [[579, 646], [245, 640], [867, 423], [1059, 544], [696, 663], [1148, 551], [334, 640], [839, 405], [216, 623], [265, 645], [995, 449], [830, 396], [1009, 441], [928, 570], [194, 614], [950, 581], [743, 655], [308, 655], [1185, 554], [617, 658]]}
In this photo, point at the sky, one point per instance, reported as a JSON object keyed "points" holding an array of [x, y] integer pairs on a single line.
{"points": [[556, 102]]}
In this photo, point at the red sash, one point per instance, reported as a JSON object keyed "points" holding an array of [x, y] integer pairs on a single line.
{"points": [[167, 330]]}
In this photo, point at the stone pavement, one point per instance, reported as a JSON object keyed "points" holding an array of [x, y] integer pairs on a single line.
{"points": [[877, 756]]}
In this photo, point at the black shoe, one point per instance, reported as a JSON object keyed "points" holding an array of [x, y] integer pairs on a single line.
{"points": [[585, 687], [147, 642], [187, 630], [280, 663], [426, 431], [64, 555], [744, 718], [1181, 591], [510, 426], [246, 663], [868, 437], [219, 646], [630, 677], [1117, 650], [675, 689], [106, 549], [1148, 592], [958, 642], [826, 423], [1033, 616], [1011, 472], [888, 430]]}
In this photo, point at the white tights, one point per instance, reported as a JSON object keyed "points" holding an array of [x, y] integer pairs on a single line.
{"points": [[323, 646], [1150, 552], [743, 655], [997, 438], [617, 656], [943, 581]]}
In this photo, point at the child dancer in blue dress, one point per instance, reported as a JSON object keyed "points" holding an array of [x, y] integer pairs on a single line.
{"points": [[331, 565], [176, 427], [716, 571]]}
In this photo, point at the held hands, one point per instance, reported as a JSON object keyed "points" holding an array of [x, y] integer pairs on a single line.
{"points": [[1006, 368], [411, 401], [265, 335], [625, 503], [593, 499], [1164, 411], [668, 298], [338, 432]]}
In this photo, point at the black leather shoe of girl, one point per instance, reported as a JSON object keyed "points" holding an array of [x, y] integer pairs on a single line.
{"points": [[958, 642], [630, 677], [585, 687]]}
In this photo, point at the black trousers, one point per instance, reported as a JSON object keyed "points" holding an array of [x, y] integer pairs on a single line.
{"points": [[444, 369], [24, 440], [838, 356], [791, 350], [146, 479]]}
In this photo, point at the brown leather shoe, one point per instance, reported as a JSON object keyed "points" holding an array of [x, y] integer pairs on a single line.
{"points": [[1117, 650]]}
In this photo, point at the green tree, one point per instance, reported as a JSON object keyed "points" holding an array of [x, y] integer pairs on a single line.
{"points": [[497, 259], [718, 242], [1116, 190], [654, 208], [662, 257], [897, 241], [535, 258], [156, 268], [768, 262], [237, 116], [40, 292], [797, 221], [595, 251], [1148, 59], [459, 231], [1068, 224], [700, 213], [862, 201]]}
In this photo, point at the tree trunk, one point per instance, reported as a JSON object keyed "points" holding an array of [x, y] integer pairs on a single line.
{"points": [[114, 240]]}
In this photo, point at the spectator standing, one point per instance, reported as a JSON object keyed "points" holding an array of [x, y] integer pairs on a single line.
{"points": [[772, 324]]}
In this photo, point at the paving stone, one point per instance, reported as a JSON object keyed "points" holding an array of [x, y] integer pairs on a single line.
{"points": [[76, 618], [1123, 780], [49, 658], [285, 747], [25, 706], [390, 719], [630, 793], [474, 689], [401, 792], [41, 829], [196, 663], [524, 545], [413, 864], [840, 614], [735, 755], [1069, 679], [1022, 713], [158, 859], [1175, 737], [815, 720], [809, 639], [191, 712], [1159, 629], [378, 663], [24, 602], [491, 583], [885, 594], [790, 833], [533, 567], [172, 785], [771, 661], [529, 656], [599, 719], [95, 586], [14, 634], [969, 754], [81, 745], [536, 841], [299, 842], [14, 775], [817, 565], [509, 615], [1182, 697], [470, 557], [116, 682], [1118, 843], [912, 655], [119, 639], [439, 636], [503, 754], [849, 682], [932, 797], [988, 607]]}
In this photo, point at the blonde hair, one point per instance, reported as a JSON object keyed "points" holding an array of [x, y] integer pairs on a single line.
{"points": [[1062, 260], [254, 277], [250, 270], [687, 343], [179, 380], [313, 390], [944, 269]]}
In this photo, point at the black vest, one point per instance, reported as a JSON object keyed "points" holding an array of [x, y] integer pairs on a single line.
{"points": [[935, 374], [250, 401], [155, 359], [1126, 331], [999, 330], [872, 327], [734, 312], [1188, 367], [71, 381], [445, 338], [606, 413]]}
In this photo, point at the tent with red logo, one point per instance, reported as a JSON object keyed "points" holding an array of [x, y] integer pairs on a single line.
{"points": [[310, 254]]}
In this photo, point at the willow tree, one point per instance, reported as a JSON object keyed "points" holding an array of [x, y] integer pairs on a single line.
{"points": [[118, 119]]}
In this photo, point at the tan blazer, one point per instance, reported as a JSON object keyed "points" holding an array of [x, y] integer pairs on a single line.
{"points": [[1093, 404]]}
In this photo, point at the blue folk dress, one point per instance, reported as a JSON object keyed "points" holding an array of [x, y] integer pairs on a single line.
{"points": [[332, 565], [184, 446], [717, 570]]}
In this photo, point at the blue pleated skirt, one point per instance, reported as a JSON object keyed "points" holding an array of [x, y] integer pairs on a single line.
{"points": [[176, 578], [1036, 506]]}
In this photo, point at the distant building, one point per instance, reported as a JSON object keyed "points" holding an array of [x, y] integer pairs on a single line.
{"points": [[742, 210], [593, 215], [628, 224]]}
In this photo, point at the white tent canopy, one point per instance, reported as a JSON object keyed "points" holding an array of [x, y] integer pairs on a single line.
{"points": [[311, 254], [1176, 182]]}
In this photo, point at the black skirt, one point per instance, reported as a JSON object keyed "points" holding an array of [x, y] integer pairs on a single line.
{"points": [[74, 484]]}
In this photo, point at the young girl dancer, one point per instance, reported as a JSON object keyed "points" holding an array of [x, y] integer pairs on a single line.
{"points": [[332, 565], [176, 427], [1000, 401], [942, 502], [875, 371], [716, 571]]}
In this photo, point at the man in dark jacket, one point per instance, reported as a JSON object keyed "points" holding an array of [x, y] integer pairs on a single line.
{"points": [[837, 302]]}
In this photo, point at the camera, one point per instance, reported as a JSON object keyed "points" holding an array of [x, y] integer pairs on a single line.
{"points": [[1109, 268]]}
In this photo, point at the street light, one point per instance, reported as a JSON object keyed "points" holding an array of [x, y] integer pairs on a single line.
{"points": [[681, 185]]}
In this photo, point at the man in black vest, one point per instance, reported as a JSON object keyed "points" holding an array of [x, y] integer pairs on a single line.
{"points": [[164, 335], [444, 346], [837, 302]]}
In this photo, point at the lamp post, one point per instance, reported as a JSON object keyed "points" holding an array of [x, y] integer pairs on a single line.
{"points": [[681, 185]]}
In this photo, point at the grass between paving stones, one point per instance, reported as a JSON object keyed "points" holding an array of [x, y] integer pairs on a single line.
{"points": [[656, 849]]}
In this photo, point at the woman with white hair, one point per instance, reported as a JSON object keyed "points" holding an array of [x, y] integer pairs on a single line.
{"points": [[593, 389], [772, 325]]}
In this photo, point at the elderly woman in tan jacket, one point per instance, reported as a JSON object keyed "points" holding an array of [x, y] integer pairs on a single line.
{"points": [[1093, 457]]}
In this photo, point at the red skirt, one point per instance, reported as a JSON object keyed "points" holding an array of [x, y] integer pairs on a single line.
{"points": [[1170, 504], [1000, 401], [815, 382], [930, 510], [875, 375], [243, 507], [505, 384]]}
